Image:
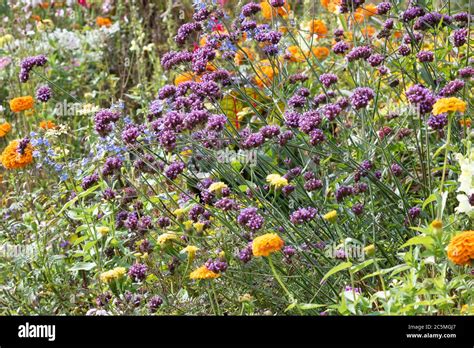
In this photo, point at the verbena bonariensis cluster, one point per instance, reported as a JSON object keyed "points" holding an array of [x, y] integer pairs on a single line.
{"points": [[296, 162]]}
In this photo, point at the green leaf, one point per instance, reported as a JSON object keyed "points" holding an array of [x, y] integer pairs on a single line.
{"points": [[89, 245], [80, 195], [336, 269], [430, 199], [427, 241], [361, 266], [82, 266], [306, 306]]}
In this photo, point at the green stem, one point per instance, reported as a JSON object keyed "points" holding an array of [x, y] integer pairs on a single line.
{"points": [[277, 277], [445, 165]]}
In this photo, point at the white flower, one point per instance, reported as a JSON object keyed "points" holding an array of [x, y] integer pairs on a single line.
{"points": [[466, 183]]}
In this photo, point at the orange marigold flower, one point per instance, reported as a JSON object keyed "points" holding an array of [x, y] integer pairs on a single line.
{"points": [[369, 10], [186, 76], [368, 31], [466, 122], [295, 54], [331, 5], [461, 248], [359, 16], [265, 74], [21, 103], [103, 22], [47, 125], [320, 52], [267, 244], [11, 159], [317, 26], [203, 273], [268, 11], [243, 55], [4, 129]]}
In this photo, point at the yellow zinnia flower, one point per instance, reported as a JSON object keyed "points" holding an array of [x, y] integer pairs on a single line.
{"points": [[330, 216], [448, 105], [266, 244], [199, 227], [103, 230], [217, 187], [113, 274], [437, 224], [166, 237], [277, 180]]}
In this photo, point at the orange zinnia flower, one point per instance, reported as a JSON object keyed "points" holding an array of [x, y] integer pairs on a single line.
{"points": [[103, 22], [47, 125], [268, 11], [203, 273], [266, 244], [243, 55], [461, 248], [265, 73], [295, 54], [12, 159], [317, 26], [186, 76], [21, 103], [320, 52], [4, 129]]}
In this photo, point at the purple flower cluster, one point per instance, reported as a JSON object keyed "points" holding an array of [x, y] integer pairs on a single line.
{"points": [[302, 215], [437, 122], [250, 9], [343, 192], [249, 218], [103, 121], [466, 72], [298, 99], [452, 88], [174, 169], [412, 13], [328, 79], [22, 145], [425, 56], [89, 181], [171, 59], [422, 97], [28, 64], [361, 52], [130, 134], [138, 272], [111, 164], [245, 255], [432, 20], [44, 93], [216, 266], [340, 47], [375, 59], [155, 303], [361, 97], [459, 37], [384, 8], [185, 31]]}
